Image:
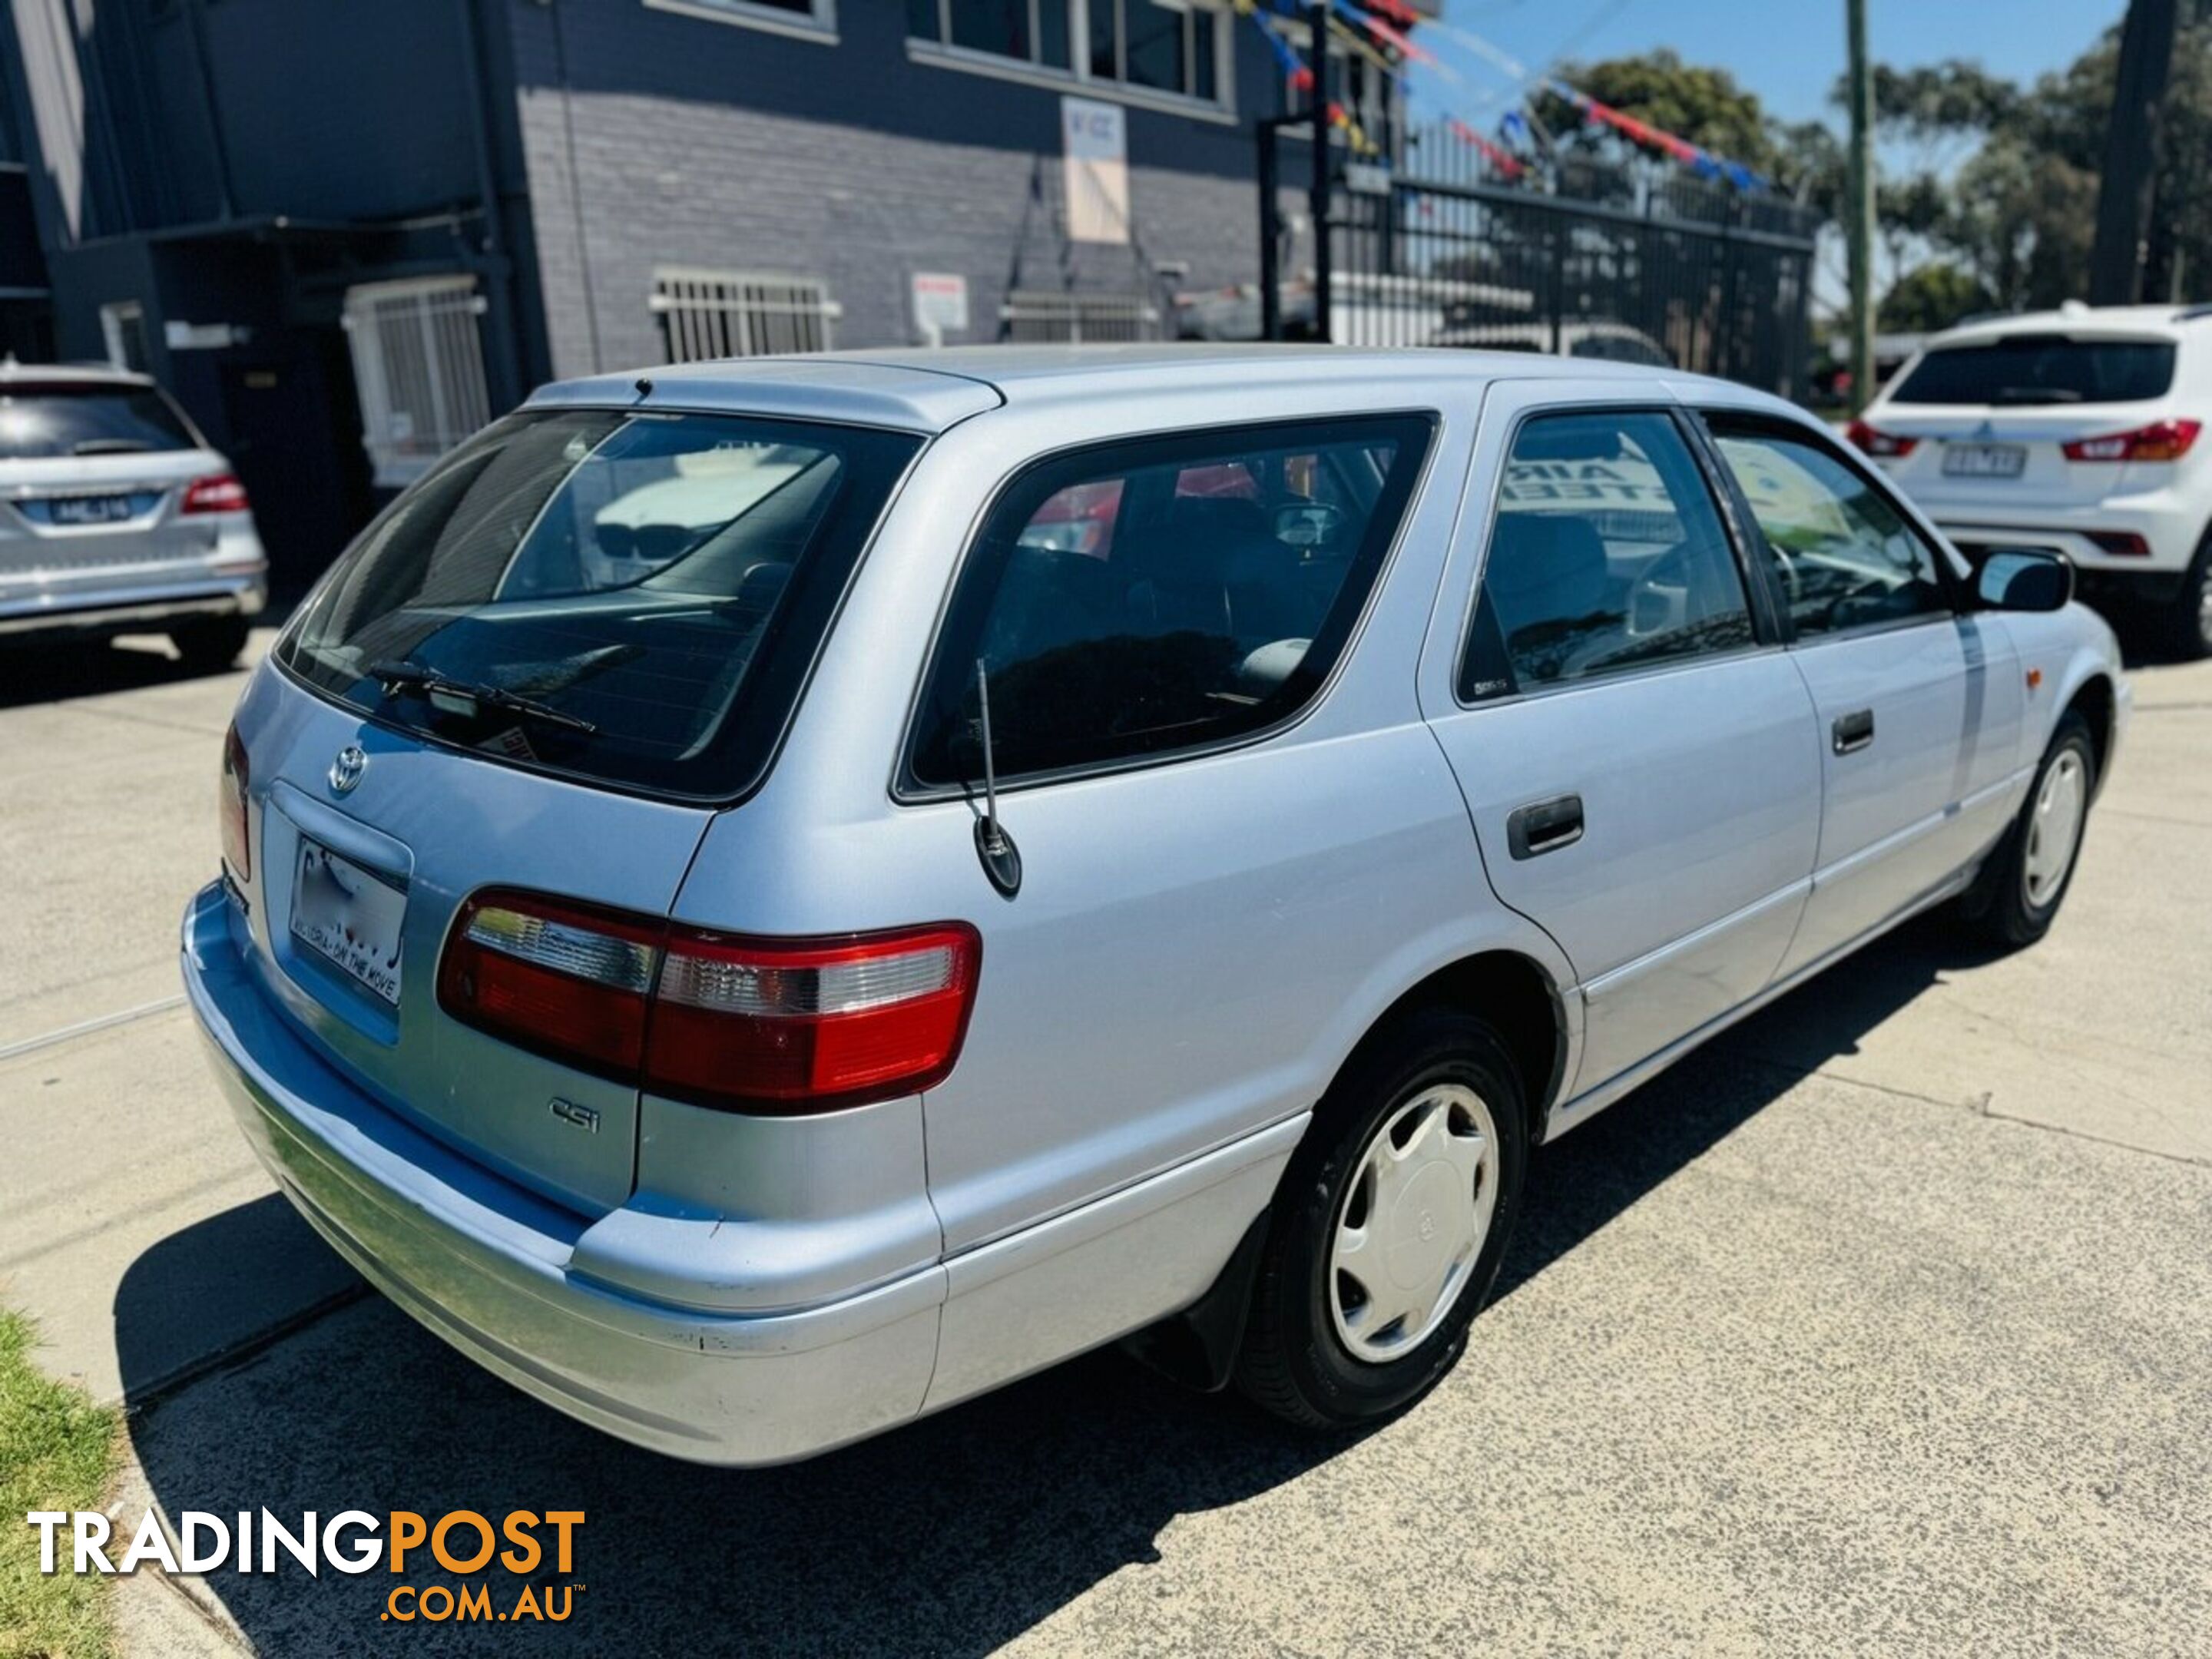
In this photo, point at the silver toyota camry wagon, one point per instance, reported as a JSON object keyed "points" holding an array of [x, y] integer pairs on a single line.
{"points": [[764, 900]]}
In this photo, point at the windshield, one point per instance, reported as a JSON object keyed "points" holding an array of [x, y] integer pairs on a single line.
{"points": [[41, 419], [2041, 368], [632, 598]]}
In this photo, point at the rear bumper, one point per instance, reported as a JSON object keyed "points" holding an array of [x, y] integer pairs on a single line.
{"points": [[135, 606], [2169, 537], [487, 1266]]}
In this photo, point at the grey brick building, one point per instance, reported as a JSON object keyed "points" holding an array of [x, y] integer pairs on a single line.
{"points": [[345, 234]]}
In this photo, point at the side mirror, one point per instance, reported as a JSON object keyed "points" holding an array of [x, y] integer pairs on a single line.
{"points": [[2025, 579]]}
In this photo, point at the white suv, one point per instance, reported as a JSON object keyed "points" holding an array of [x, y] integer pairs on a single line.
{"points": [[2077, 430]]}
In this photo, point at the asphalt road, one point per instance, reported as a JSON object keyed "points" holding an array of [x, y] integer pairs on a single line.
{"points": [[1883, 1325]]}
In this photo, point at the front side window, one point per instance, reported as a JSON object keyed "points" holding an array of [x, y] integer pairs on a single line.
{"points": [[1606, 555], [630, 599], [1165, 594], [1843, 556], [1170, 48]]}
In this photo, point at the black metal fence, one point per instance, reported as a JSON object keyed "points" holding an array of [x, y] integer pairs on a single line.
{"points": [[1587, 261]]}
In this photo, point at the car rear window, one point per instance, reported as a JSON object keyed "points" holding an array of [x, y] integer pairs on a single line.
{"points": [[631, 598], [2041, 368], [41, 421]]}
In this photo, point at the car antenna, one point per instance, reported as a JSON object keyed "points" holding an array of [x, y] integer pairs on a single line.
{"points": [[1002, 859]]}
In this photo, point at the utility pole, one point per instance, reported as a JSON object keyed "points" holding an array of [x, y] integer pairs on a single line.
{"points": [[1858, 218], [1317, 194], [2123, 193]]}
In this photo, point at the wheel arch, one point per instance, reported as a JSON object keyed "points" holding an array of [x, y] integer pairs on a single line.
{"points": [[1516, 995], [2095, 699]]}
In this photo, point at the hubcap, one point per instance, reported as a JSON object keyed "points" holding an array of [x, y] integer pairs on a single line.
{"points": [[2055, 828], [2204, 607], [1413, 1221]]}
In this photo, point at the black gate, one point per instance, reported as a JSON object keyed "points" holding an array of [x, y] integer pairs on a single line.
{"points": [[1586, 261]]}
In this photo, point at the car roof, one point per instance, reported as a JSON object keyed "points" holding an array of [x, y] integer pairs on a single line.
{"points": [[60, 373], [929, 390], [2137, 322]]}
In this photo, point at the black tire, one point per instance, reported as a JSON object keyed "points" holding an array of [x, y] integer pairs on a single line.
{"points": [[210, 646], [1293, 1361], [1999, 905], [2187, 619]]}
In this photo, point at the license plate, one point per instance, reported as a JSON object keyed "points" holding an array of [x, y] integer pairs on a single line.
{"points": [[1985, 460], [89, 509], [349, 915]]}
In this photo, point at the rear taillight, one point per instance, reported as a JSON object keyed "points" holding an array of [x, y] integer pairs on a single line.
{"points": [[770, 1026], [230, 805], [220, 494], [1887, 445], [2161, 440]]}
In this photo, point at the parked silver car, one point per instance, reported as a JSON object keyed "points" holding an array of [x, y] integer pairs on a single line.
{"points": [[115, 516], [766, 900]]}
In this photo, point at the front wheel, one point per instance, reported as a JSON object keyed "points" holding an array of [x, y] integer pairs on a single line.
{"points": [[1390, 1226], [2016, 899]]}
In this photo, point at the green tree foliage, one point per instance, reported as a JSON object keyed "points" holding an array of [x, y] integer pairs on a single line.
{"points": [[1931, 296]]}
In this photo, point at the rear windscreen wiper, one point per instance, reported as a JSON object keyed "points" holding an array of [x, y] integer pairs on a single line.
{"points": [[468, 698], [2035, 394]]}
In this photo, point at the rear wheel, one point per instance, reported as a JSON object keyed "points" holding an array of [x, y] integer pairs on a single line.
{"points": [[211, 645], [1391, 1223], [2016, 899], [2189, 614]]}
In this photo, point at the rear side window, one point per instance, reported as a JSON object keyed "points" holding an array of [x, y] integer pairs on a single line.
{"points": [[626, 598], [1843, 556], [1606, 555], [1131, 600], [2025, 370], [43, 420]]}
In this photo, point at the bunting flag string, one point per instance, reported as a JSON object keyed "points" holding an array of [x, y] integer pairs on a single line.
{"points": [[1508, 164]]}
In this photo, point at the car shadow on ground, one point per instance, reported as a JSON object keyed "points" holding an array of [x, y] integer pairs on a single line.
{"points": [[952, 1536], [49, 672]]}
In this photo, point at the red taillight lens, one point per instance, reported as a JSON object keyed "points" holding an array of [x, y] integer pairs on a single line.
{"points": [[2122, 544], [565, 980], [772, 1026], [1874, 441], [2161, 440], [230, 807], [221, 493]]}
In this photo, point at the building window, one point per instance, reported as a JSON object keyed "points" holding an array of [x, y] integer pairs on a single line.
{"points": [[815, 19], [1175, 49], [123, 326], [418, 368], [721, 314], [1035, 315]]}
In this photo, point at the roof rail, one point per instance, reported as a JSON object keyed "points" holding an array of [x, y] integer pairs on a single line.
{"points": [[2192, 313]]}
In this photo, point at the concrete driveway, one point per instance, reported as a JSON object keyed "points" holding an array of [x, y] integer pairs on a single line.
{"points": [[1883, 1325]]}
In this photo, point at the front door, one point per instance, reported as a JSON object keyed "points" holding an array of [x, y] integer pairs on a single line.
{"points": [[1636, 752], [1919, 706]]}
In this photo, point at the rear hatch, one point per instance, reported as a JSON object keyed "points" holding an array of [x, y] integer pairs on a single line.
{"points": [[95, 476], [1985, 426], [542, 670]]}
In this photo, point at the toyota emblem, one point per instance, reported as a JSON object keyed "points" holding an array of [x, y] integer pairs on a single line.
{"points": [[346, 769]]}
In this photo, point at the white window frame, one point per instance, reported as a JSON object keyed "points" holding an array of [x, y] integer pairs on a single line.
{"points": [[112, 318], [412, 412], [703, 307], [1111, 314], [1221, 107], [818, 23]]}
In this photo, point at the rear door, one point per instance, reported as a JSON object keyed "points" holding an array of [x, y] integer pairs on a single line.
{"points": [[1635, 750], [1919, 705]]}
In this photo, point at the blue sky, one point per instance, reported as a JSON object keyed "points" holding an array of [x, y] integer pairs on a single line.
{"points": [[1789, 51]]}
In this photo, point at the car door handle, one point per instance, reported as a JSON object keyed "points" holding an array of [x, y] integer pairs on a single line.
{"points": [[1544, 826], [1853, 732]]}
